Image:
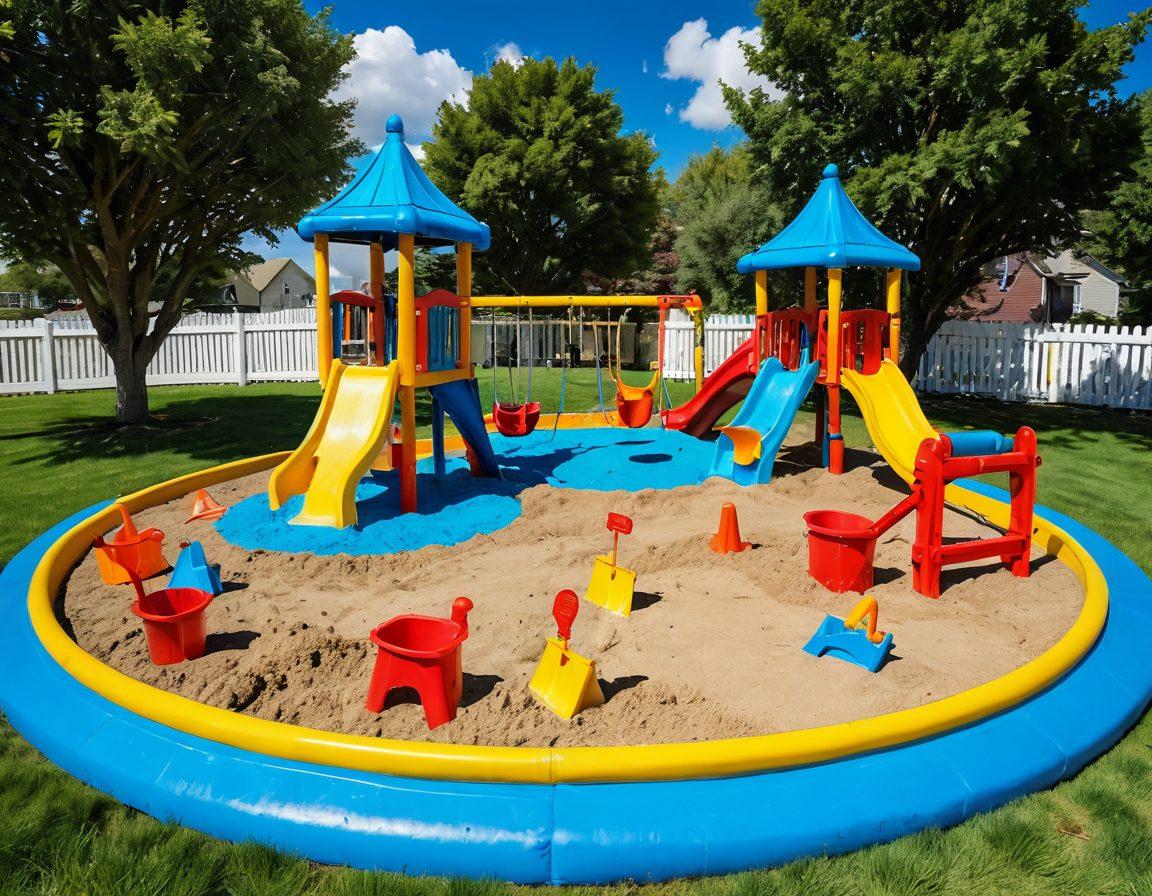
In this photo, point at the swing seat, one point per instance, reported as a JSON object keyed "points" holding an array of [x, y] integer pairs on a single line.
{"points": [[634, 405], [515, 419]]}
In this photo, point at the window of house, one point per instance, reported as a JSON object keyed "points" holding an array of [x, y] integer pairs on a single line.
{"points": [[287, 289]]}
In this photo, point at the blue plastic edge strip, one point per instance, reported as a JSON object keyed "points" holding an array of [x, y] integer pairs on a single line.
{"points": [[583, 833]]}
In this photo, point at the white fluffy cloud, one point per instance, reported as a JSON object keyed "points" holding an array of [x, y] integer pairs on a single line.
{"points": [[390, 75], [693, 54], [509, 52]]}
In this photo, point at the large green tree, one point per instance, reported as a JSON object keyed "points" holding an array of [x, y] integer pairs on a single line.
{"points": [[722, 212], [1121, 232], [538, 154], [966, 129], [143, 138]]}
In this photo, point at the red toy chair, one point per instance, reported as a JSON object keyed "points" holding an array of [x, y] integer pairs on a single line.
{"points": [[422, 653]]}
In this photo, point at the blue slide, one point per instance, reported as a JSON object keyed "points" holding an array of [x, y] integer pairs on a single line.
{"points": [[746, 450], [460, 400]]}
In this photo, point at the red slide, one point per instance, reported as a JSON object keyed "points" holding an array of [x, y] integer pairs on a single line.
{"points": [[725, 386]]}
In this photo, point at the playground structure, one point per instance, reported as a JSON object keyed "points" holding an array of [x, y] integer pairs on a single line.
{"points": [[417, 342], [576, 814]]}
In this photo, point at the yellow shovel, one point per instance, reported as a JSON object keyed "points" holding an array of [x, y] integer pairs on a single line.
{"points": [[612, 586], [564, 681]]}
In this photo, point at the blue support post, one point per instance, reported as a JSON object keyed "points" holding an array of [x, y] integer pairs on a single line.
{"points": [[437, 436]]}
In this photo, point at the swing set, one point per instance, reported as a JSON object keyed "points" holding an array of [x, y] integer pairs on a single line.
{"points": [[634, 404]]}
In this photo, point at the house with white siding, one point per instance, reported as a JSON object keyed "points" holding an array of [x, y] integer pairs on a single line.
{"points": [[1045, 288], [272, 285]]}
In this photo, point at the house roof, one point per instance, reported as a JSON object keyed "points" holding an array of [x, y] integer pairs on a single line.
{"points": [[391, 196], [260, 275], [829, 232]]}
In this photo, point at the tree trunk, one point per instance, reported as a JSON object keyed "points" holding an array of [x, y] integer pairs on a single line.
{"points": [[918, 322], [131, 388]]}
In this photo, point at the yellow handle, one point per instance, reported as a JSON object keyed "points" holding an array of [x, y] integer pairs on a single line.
{"points": [[866, 609]]}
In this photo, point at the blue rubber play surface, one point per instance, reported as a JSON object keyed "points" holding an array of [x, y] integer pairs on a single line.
{"points": [[458, 506]]}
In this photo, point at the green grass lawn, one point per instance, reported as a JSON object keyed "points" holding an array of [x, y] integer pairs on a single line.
{"points": [[1090, 835]]}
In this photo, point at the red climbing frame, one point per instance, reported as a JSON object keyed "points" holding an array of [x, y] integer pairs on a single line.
{"points": [[375, 316], [779, 334], [935, 468]]}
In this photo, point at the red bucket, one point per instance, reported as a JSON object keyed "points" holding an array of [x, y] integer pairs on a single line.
{"points": [[841, 549], [174, 623]]}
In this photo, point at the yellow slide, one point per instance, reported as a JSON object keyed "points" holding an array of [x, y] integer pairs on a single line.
{"points": [[350, 430], [892, 415]]}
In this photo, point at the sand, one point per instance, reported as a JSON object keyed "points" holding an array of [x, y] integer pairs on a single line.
{"points": [[712, 650]]}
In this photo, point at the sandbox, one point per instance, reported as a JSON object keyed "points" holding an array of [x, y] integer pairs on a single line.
{"points": [[711, 650], [551, 811]]}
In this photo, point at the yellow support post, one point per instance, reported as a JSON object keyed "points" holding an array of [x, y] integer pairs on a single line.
{"points": [[376, 288], [464, 290], [835, 438], [698, 346], [810, 303], [894, 315], [406, 355], [323, 308], [761, 292]]}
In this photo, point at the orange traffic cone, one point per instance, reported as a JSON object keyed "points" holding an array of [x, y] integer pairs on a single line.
{"points": [[727, 540], [205, 507]]}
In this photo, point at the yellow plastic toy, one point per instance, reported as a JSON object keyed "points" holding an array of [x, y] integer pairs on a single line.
{"points": [[612, 586], [565, 681]]}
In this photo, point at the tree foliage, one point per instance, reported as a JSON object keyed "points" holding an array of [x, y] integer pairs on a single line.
{"points": [[723, 212], [965, 130], [538, 155], [143, 138], [1121, 232], [45, 280]]}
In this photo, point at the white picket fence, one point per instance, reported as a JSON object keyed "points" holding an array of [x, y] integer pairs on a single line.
{"points": [[1086, 364], [723, 334], [1092, 365], [63, 354]]}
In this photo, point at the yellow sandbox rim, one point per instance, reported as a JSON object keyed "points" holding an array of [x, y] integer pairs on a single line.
{"points": [[542, 765]]}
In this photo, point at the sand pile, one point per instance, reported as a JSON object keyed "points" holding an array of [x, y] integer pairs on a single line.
{"points": [[712, 650]]}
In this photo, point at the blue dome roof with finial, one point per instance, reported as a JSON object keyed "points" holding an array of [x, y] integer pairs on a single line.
{"points": [[390, 196], [829, 232]]}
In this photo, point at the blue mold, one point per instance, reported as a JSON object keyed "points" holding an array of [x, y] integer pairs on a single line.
{"points": [[832, 638], [193, 570]]}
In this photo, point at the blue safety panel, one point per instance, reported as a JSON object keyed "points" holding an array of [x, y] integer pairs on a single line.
{"points": [[443, 337], [587, 833]]}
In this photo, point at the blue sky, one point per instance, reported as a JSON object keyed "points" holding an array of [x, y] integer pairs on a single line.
{"points": [[662, 59]]}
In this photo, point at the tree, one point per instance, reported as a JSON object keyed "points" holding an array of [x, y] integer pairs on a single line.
{"points": [[46, 281], [723, 212], [538, 155], [657, 277], [965, 130], [143, 138], [1121, 233]]}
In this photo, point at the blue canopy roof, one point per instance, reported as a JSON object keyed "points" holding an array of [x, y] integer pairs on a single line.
{"points": [[829, 232], [393, 195]]}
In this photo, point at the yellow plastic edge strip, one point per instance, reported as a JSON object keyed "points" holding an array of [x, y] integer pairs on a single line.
{"points": [[530, 765]]}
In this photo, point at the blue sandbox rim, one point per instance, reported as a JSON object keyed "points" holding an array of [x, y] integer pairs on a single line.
{"points": [[458, 506], [583, 833]]}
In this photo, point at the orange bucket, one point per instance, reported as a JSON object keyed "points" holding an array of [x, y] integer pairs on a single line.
{"points": [[841, 550]]}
